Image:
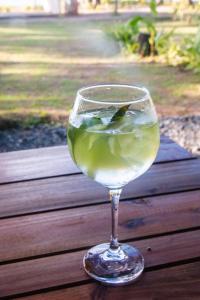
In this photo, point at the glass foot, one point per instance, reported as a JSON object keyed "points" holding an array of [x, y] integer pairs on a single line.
{"points": [[114, 267]]}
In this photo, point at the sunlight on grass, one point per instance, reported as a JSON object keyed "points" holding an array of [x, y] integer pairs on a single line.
{"points": [[12, 30], [180, 27], [187, 90], [31, 70], [44, 62], [56, 58]]}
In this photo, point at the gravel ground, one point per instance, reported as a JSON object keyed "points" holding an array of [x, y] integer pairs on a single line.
{"points": [[184, 130]]}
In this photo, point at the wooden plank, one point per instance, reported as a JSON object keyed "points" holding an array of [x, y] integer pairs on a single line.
{"points": [[35, 163], [52, 232], [54, 270], [62, 192], [180, 283], [55, 161]]}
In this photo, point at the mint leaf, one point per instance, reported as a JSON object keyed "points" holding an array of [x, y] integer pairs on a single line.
{"points": [[120, 113], [90, 122], [118, 117], [74, 133]]}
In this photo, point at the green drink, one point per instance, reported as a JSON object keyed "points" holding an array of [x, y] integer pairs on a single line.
{"points": [[113, 152], [113, 137]]}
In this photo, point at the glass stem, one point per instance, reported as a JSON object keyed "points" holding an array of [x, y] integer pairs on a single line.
{"points": [[114, 197]]}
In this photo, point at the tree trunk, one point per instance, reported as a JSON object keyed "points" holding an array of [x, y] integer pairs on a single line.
{"points": [[144, 45], [72, 7], [190, 2], [116, 7], [145, 48], [95, 3]]}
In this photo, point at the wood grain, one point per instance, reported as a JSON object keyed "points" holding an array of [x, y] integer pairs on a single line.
{"points": [[180, 283], [77, 190], [67, 268], [48, 239], [36, 163], [55, 161], [76, 228]]}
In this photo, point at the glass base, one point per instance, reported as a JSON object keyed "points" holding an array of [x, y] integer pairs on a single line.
{"points": [[114, 267]]}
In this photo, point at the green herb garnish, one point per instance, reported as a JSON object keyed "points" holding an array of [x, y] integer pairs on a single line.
{"points": [[73, 134], [118, 116], [90, 122], [120, 113]]}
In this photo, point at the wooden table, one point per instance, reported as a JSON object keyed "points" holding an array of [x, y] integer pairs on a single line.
{"points": [[51, 213]]}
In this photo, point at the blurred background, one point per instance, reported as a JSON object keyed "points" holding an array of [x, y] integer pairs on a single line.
{"points": [[50, 48]]}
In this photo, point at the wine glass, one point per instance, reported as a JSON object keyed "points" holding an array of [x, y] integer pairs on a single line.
{"points": [[113, 137]]}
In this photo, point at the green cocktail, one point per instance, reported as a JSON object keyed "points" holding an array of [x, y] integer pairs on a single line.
{"points": [[113, 137], [113, 151]]}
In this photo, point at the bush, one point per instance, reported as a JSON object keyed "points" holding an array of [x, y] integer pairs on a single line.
{"points": [[185, 52], [128, 35], [191, 53]]}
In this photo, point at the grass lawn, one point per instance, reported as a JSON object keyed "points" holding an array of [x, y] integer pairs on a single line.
{"points": [[44, 61]]}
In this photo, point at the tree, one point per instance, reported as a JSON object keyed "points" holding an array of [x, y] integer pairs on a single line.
{"points": [[116, 7], [72, 7], [191, 2]]}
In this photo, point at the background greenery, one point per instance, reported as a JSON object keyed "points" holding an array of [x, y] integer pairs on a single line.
{"points": [[165, 44], [44, 61]]}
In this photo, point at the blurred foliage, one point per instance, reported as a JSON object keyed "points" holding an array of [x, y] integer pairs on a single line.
{"points": [[184, 51], [191, 52], [153, 7], [185, 11], [128, 33]]}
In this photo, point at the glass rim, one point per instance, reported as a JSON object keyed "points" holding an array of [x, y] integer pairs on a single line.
{"points": [[134, 87]]}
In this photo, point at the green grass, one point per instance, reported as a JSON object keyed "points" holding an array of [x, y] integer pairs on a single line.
{"points": [[43, 62]]}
